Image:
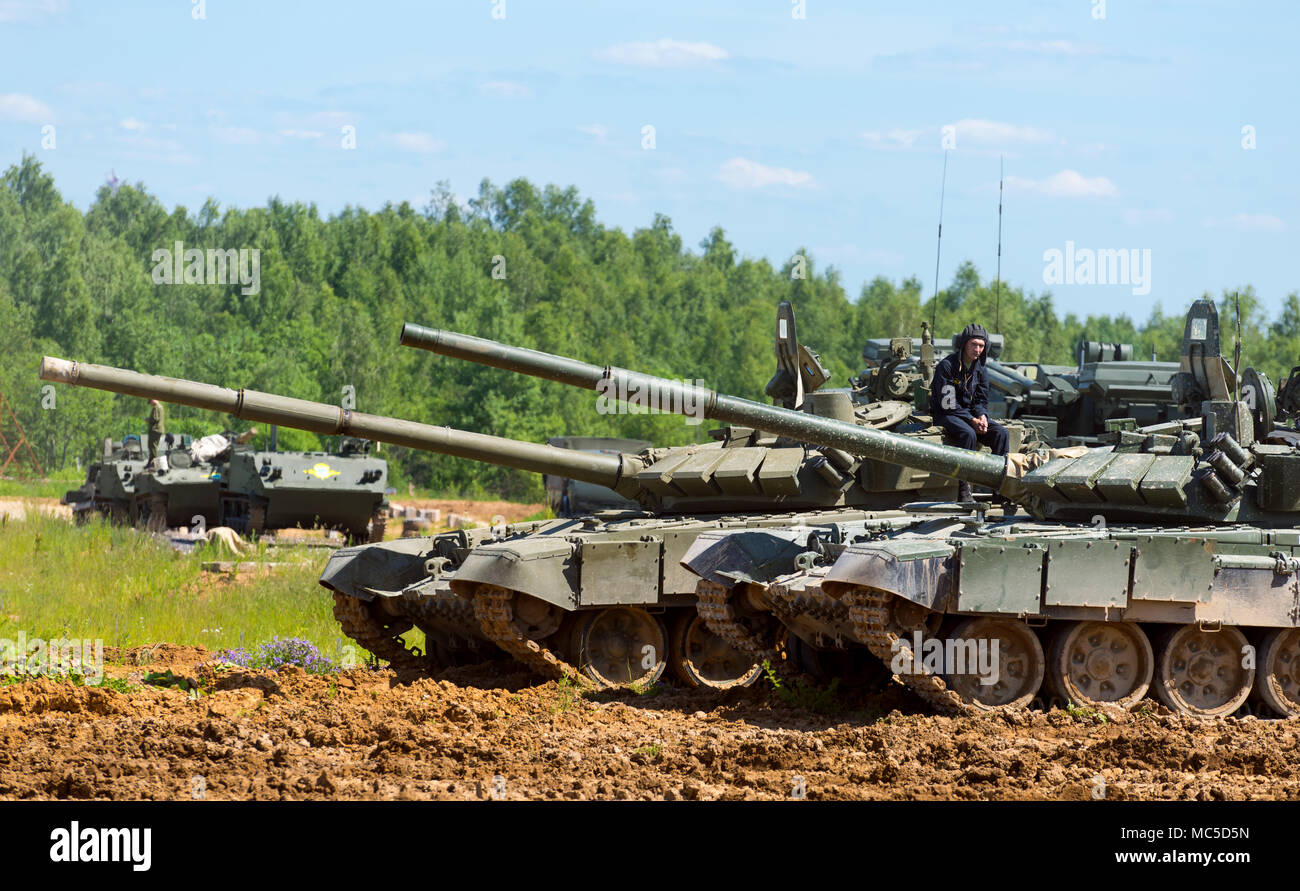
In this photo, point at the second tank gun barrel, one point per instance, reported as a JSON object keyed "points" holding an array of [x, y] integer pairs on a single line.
{"points": [[685, 398], [318, 417]]}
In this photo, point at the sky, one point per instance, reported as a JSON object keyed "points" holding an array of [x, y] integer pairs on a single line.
{"points": [[1162, 129]]}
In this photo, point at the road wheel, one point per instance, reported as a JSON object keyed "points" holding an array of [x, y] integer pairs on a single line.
{"points": [[1017, 671], [622, 645], [1101, 663], [1200, 672], [1279, 667], [701, 658]]}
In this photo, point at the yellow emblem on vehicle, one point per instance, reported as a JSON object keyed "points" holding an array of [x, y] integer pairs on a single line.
{"points": [[321, 471]]}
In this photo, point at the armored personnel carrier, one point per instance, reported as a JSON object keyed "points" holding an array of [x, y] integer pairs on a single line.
{"points": [[110, 486], [602, 596], [1165, 561], [220, 480], [342, 490]]}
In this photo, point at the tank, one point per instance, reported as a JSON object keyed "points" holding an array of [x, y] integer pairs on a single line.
{"points": [[602, 597], [1166, 561]]}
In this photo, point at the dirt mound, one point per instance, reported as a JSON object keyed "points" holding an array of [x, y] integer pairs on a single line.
{"points": [[492, 731]]}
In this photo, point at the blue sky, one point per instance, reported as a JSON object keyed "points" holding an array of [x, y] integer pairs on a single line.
{"points": [[823, 131]]}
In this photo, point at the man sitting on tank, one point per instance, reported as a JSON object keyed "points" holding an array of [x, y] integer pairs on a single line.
{"points": [[959, 398]]}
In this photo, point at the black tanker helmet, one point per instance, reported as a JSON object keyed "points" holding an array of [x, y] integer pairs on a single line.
{"points": [[973, 331]]}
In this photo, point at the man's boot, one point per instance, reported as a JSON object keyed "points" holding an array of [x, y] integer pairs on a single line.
{"points": [[963, 491]]}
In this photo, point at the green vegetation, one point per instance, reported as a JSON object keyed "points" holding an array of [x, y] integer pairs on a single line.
{"points": [[823, 700], [1085, 713], [334, 292], [569, 693], [52, 486], [127, 588]]}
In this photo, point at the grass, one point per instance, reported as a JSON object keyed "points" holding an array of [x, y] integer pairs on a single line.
{"points": [[1085, 713], [121, 685], [823, 700], [49, 487], [569, 693], [124, 587]]}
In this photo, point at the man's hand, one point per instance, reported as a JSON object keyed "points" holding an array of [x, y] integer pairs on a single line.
{"points": [[981, 424]]}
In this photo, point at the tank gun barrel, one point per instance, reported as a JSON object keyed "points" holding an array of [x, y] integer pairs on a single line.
{"points": [[684, 398], [318, 417], [1007, 379]]}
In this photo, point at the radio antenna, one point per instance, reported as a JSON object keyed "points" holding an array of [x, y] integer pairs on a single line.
{"points": [[997, 287], [934, 309], [1236, 352]]}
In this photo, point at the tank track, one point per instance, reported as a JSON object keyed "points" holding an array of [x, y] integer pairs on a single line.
{"points": [[713, 603], [495, 613], [446, 608], [811, 602], [357, 621], [868, 610]]}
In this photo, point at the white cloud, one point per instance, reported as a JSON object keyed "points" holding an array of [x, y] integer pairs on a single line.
{"points": [[1247, 222], [236, 135], [29, 10], [1051, 47], [317, 120], [982, 132], [1138, 217], [742, 173], [890, 139], [598, 131], [132, 124], [415, 142], [663, 53], [1066, 184], [301, 134], [23, 109], [504, 89]]}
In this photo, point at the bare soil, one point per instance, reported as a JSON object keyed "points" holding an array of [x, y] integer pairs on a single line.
{"points": [[493, 731], [481, 512], [18, 508]]}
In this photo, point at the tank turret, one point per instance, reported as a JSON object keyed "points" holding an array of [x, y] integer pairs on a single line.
{"points": [[1158, 471]]}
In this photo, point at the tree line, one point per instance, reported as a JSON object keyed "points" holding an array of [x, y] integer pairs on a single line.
{"points": [[521, 264]]}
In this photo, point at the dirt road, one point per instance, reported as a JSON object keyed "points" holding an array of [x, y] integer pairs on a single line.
{"points": [[492, 731]]}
